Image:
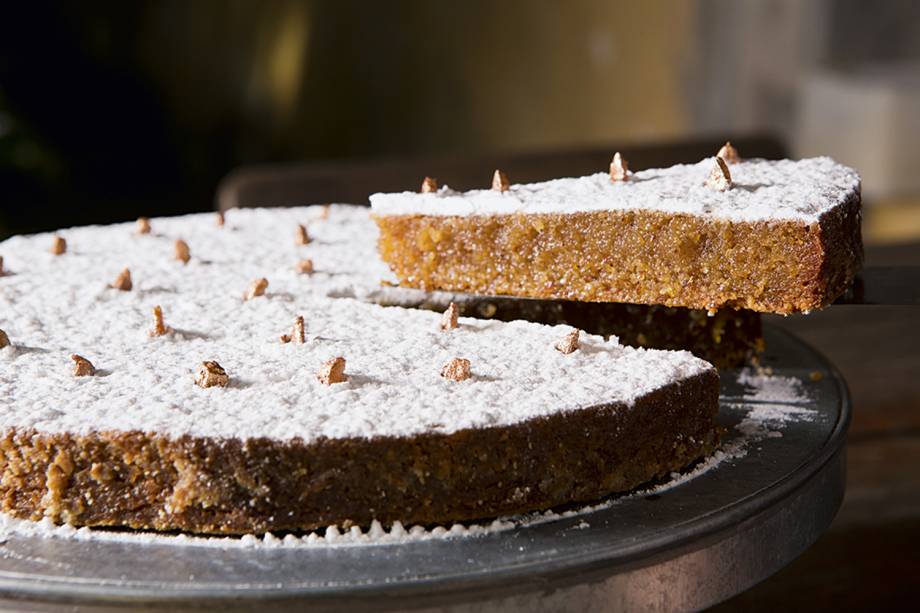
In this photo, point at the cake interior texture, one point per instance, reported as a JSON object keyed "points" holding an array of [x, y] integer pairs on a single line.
{"points": [[139, 444], [785, 238]]}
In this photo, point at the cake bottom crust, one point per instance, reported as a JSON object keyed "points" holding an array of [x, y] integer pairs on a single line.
{"points": [[233, 486]]}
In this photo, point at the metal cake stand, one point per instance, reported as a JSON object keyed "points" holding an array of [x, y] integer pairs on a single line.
{"points": [[686, 548]]}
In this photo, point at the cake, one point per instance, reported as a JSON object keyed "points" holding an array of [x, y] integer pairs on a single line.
{"points": [[194, 397], [770, 236]]}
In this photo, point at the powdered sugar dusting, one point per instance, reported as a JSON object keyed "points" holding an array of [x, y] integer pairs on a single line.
{"points": [[763, 191]]}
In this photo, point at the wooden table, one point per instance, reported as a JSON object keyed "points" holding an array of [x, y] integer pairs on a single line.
{"points": [[870, 558]]}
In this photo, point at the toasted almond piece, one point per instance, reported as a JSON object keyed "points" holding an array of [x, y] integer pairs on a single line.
{"points": [[159, 328], [500, 181], [257, 288], [123, 281], [333, 371], [58, 246], [220, 220], [618, 168], [720, 178], [183, 253], [449, 319], [211, 374], [305, 267], [569, 342], [2, 272], [324, 211], [4, 340], [143, 225], [729, 153], [301, 237], [429, 185], [298, 333], [82, 367], [458, 369]]}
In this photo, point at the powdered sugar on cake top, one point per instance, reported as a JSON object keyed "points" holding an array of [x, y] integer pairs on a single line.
{"points": [[52, 306], [763, 190]]}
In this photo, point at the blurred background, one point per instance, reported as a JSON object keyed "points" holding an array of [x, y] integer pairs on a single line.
{"points": [[110, 110]]}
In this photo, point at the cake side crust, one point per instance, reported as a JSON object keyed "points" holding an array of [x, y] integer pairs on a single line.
{"points": [[644, 257], [231, 486]]}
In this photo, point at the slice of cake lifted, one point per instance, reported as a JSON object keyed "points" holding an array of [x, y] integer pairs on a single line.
{"points": [[771, 236], [287, 410]]}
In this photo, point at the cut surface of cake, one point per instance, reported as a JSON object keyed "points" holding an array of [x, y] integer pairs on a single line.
{"points": [[777, 236], [195, 398]]}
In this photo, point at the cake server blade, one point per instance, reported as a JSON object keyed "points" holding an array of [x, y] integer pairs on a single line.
{"points": [[884, 285]]}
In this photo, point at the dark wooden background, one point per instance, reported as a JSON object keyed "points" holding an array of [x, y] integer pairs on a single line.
{"points": [[870, 557]]}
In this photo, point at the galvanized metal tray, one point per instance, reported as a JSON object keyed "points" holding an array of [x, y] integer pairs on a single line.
{"points": [[686, 548]]}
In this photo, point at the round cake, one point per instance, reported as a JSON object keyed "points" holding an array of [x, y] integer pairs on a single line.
{"points": [[184, 374]]}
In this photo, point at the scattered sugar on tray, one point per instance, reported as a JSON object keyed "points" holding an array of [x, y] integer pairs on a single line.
{"points": [[772, 388], [772, 401]]}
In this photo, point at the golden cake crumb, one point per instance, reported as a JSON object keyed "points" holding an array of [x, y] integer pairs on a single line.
{"points": [[816, 375], [458, 369], [729, 153], [298, 333], [183, 254], [4, 340], [720, 178], [123, 281], [569, 343], [82, 367], [143, 225], [58, 246], [159, 328], [301, 237], [500, 181], [449, 319], [305, 267], [257, 288], [211, 374], [333, 371], [220, 219], [429, 185], [618, 168]]}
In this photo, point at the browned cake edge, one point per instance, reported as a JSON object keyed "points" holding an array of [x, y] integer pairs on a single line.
{"points": [[148, 481], [641, 257]]}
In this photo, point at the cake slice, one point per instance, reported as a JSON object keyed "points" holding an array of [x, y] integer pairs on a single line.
{"points": [[771, 236], [221, 394]]}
